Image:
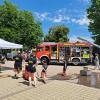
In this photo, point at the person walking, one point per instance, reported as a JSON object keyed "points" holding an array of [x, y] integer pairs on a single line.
{"points": [[97, 62], [44, 70], [2, 61], [31, 69], [18, 64]]}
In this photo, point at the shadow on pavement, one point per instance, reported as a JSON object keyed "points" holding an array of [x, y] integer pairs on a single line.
{"points": [[25, 83], [13, 77], [92, 80], [69, 64], [62, 77]]}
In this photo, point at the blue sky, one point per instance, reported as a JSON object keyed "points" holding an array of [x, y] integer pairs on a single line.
{"points": [[71, 13]]}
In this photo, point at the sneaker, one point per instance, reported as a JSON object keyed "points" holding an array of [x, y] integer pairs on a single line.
{"points": [[44, 81], [15, 76], [29, 84], [35, 86]]}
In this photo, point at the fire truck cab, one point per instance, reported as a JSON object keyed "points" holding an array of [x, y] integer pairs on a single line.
{"points": [[47, 51], [78, 52]]}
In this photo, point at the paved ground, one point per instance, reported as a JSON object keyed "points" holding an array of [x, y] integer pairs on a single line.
{"points": [[55, 89]]}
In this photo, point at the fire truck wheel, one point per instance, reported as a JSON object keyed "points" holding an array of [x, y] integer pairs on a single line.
{"points": [[75, 61], [45, 58]]}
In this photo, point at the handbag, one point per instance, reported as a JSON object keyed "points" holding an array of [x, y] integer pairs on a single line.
{"points": [[26, 75]]}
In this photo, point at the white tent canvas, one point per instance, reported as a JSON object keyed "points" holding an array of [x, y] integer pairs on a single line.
{"points": [[9, 45]]}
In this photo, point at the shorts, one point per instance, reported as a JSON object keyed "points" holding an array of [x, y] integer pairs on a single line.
{"points": [[44, 71], [31, 69], [18, 66]]}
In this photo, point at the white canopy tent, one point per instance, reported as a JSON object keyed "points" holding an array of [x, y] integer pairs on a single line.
{"points": [[9, 45]]}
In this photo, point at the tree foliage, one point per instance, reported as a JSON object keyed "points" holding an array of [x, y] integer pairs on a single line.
{"points": [[19, 26], [57, 34], [94, 17]]}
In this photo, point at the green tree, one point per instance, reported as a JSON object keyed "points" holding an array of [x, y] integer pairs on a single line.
{"points": [[94, 17], [19, 26], [57, 34]]}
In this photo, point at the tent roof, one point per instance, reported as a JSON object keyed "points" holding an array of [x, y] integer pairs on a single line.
{"points": [[9, 45]]}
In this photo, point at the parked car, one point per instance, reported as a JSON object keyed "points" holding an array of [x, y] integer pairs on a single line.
{"points": [[10, 56]]}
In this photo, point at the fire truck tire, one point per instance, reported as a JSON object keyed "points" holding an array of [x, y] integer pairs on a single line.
{"points": [[75, 61], [45, 58]]}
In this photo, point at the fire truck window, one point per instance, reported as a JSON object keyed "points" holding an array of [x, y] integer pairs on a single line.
{"points": [[47, 48], [62, 51], [39, 49], [86, 50], [54, 48], [75, 52], [68, 50], [54, 52]]}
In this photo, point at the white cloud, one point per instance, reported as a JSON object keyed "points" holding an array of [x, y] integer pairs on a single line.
{"points": [[42, 16], [57, 19], [60, 18], [81, 21]]}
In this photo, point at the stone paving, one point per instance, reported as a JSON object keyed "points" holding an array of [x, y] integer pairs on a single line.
{"points": [[56, 90], [14, 89]]}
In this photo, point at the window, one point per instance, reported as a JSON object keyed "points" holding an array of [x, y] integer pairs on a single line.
{"points": [[47, 48], [39, 49]]}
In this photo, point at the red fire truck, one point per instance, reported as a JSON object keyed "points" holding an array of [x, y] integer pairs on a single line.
{"points": [[78, 52]]}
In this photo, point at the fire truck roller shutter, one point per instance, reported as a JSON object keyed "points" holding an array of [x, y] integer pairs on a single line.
{"points": [[45, 58]]}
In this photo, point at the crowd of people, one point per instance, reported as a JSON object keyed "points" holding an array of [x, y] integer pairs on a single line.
{"points": [[31, 62], [29, 73]]}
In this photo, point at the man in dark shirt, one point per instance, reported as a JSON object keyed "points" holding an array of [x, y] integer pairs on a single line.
{"points": [[18, 64]]}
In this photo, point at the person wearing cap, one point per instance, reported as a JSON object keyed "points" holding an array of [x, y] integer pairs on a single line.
{"points": [[18, 64]]}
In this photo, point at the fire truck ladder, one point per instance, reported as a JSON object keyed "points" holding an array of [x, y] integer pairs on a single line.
{"points": [[88, 42]]}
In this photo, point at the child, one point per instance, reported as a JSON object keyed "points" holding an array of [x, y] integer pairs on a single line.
{"points": [[44, 70], [31, 69]]}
